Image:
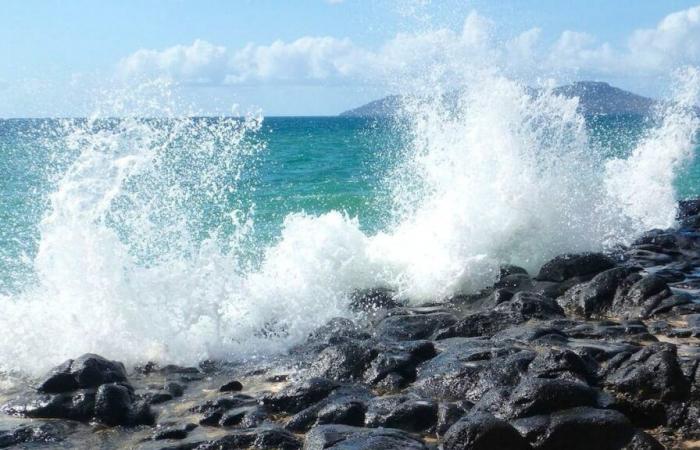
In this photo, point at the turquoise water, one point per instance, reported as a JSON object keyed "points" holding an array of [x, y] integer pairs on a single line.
{"points": [[304, 164]]}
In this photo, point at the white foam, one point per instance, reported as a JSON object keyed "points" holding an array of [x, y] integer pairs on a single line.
{"points": [[509, 177]]}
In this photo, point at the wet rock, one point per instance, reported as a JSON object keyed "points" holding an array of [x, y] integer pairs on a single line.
{"points": [[231, 386], [449, 413], [344, 361], [298, 396], [339, 404], [522, 307], [537, 396], [515, 282], [669, 303], [266, 437], [572, 265], [529, 305], [173, 388], [651, 373], [373, 299], [659, 238], [223, 403], [350, 412], [87, 371], [212, 418], [79, 406], [337, 331], [643, 441], [581, 428], [405, 412], [46, 433], [465, 368], [642, 297], [244, 416], [562, 363], [481, 431], [413, 327], [510, 269], [337, 437], [400, 360], [486, 323], [687, 208], [155, 398], [113, 404], [173, 431], [594, 298]]}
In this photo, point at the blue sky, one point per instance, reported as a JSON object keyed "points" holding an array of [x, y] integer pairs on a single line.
{"points": [[315, 57]]}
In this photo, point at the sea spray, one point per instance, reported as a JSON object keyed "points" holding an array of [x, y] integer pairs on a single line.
{"points": [[142, 254], [642, 184]]}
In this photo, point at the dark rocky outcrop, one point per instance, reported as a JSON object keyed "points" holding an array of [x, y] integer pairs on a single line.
{"points": [[87, 371], [597, 351], [482, 431], [337, 437], [577, 429], [564, 267]]}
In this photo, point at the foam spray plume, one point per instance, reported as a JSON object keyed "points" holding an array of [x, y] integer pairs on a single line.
{"points": [[505, 176]]}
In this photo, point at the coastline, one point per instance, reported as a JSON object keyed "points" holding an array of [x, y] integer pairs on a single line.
{"points": [[594, 351]]}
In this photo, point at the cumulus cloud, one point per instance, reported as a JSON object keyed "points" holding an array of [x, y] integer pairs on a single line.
{"points": [[200, 62], [674, 41], [310, 58]]}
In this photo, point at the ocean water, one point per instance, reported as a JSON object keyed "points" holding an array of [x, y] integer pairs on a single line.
{"points": [[178, 239]]}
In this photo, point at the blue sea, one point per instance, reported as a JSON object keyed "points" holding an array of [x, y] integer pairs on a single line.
{"points": [[183, 238]]}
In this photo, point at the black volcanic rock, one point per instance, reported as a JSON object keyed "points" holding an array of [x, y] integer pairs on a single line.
{"points": [[580, 428], [337, 437], [481, 431], [568, 266], [88, 371]]}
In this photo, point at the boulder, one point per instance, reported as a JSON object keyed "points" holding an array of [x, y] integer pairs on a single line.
{"points": [[298, 396], [413, 327], [173, 431], [650, 373], [568, 266], [373, 299], [580, 428], [37, 435], [88, 371], [345, 361], [265, 437], [113, 404], [406, 412], [538, 396], [231, 386], [345, 404], [594, 298], [481, 431], [399, 359], [343, 437]]}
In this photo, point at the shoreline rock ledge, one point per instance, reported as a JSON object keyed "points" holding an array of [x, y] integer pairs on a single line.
{"points": [[596, 351]]}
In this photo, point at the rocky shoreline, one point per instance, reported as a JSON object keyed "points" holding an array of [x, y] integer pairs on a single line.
{"points": [[596, 351]]}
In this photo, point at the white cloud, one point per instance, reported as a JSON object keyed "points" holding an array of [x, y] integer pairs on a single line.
{"points": [[674, 41], [200, 62], [308, 58], [334, 2], [311, 58]]}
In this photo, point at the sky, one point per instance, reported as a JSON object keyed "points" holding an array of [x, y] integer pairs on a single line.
{"points": [[319, 57]]}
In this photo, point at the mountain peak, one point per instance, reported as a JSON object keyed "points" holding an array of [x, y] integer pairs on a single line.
{"points": [[595, 97]]}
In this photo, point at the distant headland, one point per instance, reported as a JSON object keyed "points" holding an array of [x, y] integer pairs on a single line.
{"points": [[595, 97]]}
